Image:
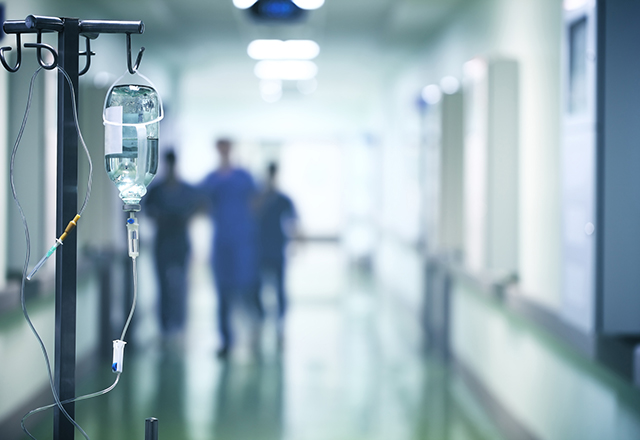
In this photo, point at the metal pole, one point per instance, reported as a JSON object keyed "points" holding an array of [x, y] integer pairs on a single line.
{"points": [[151, 429], [67, 205]]}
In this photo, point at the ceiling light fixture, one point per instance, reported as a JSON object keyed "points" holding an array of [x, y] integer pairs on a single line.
{"points": [[431, 94], [279, 11], [308, 4], [570, 5], [449, 85], [244, 4], [286, 70], [283, 50]]}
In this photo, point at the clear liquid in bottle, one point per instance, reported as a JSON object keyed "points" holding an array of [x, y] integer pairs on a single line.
{"points": [[122, 169], [132, 114]]}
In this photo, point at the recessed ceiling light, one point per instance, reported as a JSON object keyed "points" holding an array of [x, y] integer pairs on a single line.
{"points": [[570, 5], [449, 85], [431, 94], [286, 70], [244, 4], [283, 50], [308, 4]]}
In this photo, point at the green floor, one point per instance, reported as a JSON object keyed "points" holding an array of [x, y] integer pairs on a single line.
{"points": [[350, 369]]}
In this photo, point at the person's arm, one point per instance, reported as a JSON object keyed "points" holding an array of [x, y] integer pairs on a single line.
{"points": [[291, 221], [205, 194], [254, 195]]}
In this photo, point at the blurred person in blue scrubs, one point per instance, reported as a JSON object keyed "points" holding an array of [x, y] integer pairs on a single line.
{"points": [[230, 192], [277, 223], [171, 203]]}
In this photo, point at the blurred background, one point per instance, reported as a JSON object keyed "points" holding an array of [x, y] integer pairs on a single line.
{"points": [[465, 179]]}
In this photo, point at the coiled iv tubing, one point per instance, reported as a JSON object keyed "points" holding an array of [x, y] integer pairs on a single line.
{"points": [[59, 241]]}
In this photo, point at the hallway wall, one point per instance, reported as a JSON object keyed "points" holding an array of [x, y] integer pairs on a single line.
{"points": [[544, 385], [529, 32]]}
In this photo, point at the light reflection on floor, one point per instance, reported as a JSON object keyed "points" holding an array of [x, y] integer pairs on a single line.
{"points": [[345, 372]]}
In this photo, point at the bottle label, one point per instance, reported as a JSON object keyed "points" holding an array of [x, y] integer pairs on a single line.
{"points": [[112, 132]]}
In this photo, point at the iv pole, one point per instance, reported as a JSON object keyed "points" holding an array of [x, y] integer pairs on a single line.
{"points": [[69, 32]]}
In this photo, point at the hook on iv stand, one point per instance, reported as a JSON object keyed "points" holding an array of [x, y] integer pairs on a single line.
{"points": [[39, 46], [88, 53], [133, 68], [90, 29], [18, 58]]}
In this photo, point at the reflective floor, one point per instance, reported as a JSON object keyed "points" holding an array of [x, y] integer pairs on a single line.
{"points": [[351, 368]]}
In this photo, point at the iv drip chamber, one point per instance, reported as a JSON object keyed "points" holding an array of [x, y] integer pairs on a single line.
{"points": [[131, 116]]}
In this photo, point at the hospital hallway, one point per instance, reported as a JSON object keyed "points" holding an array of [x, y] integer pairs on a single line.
{"points": [[455, 185], [352, 368]]}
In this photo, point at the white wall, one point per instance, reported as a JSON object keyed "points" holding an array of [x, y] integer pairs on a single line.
{"points": [[528, 31]]}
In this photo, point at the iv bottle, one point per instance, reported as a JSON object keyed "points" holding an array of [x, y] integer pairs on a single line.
{"points": [[132, 115]]}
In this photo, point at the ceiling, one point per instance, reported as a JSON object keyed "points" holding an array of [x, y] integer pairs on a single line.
{"points": [[175, 28]]}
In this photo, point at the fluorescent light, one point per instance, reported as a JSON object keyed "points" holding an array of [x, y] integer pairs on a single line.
{"points": [[570, 5], [449, 85], [308, 4], [431, 94], [243, 4], [283, 50], [286, 70]]}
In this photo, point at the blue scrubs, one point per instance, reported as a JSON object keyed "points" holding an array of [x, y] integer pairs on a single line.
{"points": [[230, 195], [171, 205]]}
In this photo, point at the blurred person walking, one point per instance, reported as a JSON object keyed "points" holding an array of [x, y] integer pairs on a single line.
{"points": [[171, 203], [230, 192], [277, 223]]}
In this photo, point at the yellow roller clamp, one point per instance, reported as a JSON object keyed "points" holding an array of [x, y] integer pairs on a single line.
{"points": [[72, 224]]}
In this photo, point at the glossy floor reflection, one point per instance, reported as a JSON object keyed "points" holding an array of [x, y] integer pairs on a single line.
{"points": [[350, 369]]}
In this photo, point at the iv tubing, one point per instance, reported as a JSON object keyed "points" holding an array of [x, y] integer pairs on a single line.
{"points": [[72, 224], [122, 335], [106, 390], [135, 275], [64, 402], [135, 295], [28, 249], [44, 259]]}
